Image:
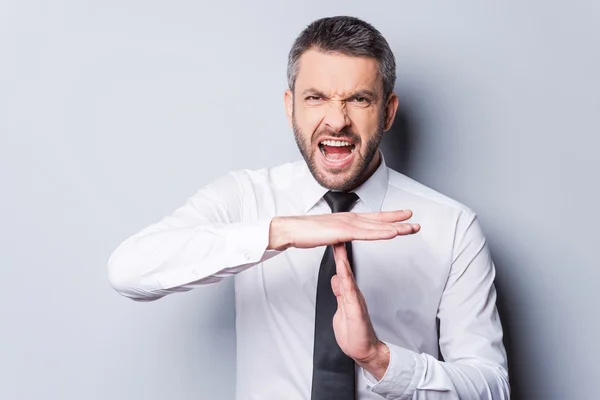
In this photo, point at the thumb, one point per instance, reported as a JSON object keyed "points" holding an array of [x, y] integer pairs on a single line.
{"points": [[335, 286]]}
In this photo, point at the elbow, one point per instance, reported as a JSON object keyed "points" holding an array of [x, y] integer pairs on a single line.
{"points": [[128, 284], [505, 383], [499, 374], [497, 377]]}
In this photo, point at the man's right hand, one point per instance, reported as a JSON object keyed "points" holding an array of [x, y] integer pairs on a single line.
{"points": [[321, 230]]}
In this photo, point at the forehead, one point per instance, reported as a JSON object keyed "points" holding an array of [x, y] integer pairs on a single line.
{"points": [[337, 74]]}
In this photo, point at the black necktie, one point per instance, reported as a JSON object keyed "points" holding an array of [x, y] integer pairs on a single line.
{"points": [[333, 371]]}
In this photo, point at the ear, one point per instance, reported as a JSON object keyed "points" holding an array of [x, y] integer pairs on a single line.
{"points": [[288, 99], [391, 106]]}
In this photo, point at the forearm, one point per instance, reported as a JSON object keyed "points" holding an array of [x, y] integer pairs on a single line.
{"points": [[162, 260], [280, 233]]}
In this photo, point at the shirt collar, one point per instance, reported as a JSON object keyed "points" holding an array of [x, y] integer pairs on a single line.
{"points": [[371, 192]]}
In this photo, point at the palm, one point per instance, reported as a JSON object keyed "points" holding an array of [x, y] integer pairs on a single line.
{"points": [[352, 326]]}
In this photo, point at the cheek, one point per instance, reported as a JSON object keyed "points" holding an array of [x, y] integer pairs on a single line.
{"points": [[366, 125], [308, 120]]}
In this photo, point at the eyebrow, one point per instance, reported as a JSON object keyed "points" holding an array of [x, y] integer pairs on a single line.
{"points": [[313, 92], [364, 93], [358, 93]]}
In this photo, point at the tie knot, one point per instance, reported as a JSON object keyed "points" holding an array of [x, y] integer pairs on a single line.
{"points": [[340, 201]]}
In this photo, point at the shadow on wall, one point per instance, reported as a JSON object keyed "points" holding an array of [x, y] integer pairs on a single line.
{"points": [[509, 324], [399, 143], [398, 147]]}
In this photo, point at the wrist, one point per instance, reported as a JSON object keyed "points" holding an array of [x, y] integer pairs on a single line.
{"points": [[377, 364], [279, 238]]}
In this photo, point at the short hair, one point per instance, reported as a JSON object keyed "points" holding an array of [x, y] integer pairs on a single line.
{"points": [[345, 35]]}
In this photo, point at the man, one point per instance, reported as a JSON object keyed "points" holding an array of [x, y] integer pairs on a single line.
{"points": [[337, 295]]}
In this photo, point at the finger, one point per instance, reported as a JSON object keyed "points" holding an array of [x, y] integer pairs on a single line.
{"points": [[336, 286], [381, 232], [366, 223], [374, 234], [340, 303], [387, 216], [371, 227], [401, 228], [348, 288], [407, 229], [342, 265]]}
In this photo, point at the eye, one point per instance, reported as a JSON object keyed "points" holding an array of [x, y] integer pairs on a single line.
{"points": [[313, 100], [363, 101]]}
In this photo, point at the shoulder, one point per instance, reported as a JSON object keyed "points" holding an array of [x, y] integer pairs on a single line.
{"points": [[409, 190], [453, 221], [277, 177]]}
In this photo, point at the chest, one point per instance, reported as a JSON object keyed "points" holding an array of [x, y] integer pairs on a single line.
{"points": [[401, 279]]}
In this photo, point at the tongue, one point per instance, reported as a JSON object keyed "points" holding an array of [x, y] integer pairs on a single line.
{"points": [[337, 152]]}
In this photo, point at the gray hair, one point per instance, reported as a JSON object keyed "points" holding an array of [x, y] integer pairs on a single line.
{"points": [[345, 35]]}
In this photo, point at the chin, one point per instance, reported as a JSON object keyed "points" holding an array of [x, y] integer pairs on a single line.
{"points": [[334, 180]]}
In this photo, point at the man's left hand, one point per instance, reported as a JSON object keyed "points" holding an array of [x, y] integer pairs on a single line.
{"points": [[352, 325]]}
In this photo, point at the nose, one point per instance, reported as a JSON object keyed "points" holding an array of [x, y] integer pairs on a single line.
{"points": [[337, 117]]}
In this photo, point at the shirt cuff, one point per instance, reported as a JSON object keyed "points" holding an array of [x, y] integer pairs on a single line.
{"points": [[234, 248], [401, 377], [249, 242]]}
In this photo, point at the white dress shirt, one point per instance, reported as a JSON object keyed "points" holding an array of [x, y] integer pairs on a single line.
{"points": [[444, 271]]}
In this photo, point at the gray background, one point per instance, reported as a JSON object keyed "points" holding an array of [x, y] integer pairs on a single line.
{"points": [[112, 113]]}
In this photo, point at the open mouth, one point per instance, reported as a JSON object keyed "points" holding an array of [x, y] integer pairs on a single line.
{"points": [[336, 151]]}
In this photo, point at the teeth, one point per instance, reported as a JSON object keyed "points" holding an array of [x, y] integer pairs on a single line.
{"points": [[335, 143]]}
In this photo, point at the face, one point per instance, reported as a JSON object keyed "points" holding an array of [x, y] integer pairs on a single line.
{"points": [[338, 115]]}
